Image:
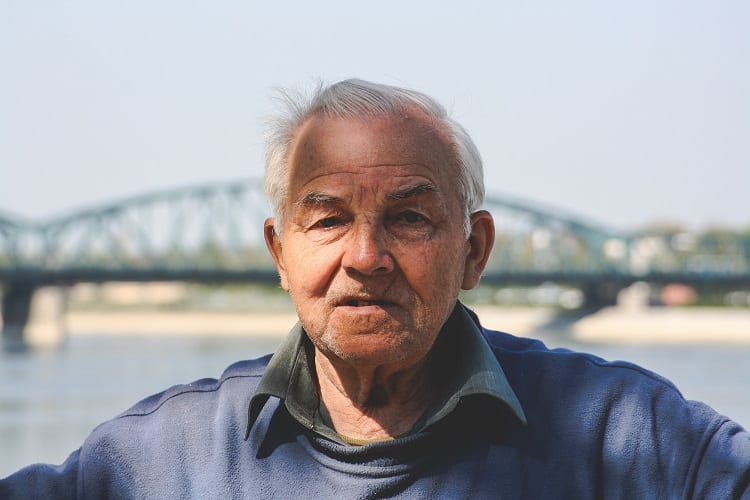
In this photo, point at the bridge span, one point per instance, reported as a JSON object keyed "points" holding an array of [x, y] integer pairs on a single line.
{"points": [[213, 234]]}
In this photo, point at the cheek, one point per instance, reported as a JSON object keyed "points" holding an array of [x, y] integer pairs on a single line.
{"points": [[436, 270], [310, 271]]}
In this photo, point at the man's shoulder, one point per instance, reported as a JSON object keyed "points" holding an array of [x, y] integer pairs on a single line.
{"points": [[184, 409], [551, 380], [157, 448], [246, 372], [177, 425], [557, 386], [520, 352], [626, 417]]}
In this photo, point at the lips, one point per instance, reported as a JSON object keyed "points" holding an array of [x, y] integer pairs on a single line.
{"points": [[363, 303]]}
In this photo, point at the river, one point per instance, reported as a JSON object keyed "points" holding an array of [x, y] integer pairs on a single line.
{"points": [[50, 400]]}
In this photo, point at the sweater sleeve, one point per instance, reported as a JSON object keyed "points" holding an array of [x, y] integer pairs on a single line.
{"points": [[722, 470], [43, 481]]}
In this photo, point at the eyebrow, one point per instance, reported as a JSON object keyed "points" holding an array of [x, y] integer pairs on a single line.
{"points": [[412, 191], [315, 199]]}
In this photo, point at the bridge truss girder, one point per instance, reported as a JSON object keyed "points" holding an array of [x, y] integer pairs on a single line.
{"points": [[215, 233]]}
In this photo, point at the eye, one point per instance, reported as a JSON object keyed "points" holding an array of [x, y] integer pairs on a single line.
{"points": [[329, 222], [411, 217], [410, 224]]}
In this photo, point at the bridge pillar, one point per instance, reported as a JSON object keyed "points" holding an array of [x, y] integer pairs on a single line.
{"points": [[32, 316], [599, 295]]}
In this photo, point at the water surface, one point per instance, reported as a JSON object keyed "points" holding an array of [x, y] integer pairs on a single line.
{"points": [[50, 401]]}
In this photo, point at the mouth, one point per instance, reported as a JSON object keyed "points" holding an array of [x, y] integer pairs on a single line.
{"points": [[365, 303], [359, 301]]}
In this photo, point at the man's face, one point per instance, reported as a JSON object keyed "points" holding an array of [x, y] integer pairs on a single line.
{"points": [[373, 249]]}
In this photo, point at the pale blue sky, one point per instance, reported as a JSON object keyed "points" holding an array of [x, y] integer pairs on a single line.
{"points": [[622, 112]]}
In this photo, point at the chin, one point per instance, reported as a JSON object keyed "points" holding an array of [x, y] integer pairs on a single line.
{"points": [[375, 349]]}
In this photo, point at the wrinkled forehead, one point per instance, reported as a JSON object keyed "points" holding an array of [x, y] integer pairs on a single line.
{"points": [[325, 146]]}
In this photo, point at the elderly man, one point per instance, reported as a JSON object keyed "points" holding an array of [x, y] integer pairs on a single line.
{"points": [[388, 386]]}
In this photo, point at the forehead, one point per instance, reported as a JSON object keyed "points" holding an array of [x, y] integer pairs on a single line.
{"points": [[330, 149]]}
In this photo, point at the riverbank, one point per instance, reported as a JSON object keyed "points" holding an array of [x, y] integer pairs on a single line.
{"points": [[626, 325], [610, 325]]}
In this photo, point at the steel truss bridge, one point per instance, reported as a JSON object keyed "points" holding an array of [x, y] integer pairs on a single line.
{"points": [[213, 234]]}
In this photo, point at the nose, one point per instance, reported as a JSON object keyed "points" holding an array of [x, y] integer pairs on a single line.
{"points": [[367, 252]]}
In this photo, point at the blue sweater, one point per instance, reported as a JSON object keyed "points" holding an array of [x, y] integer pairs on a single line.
{"points": [[594, 430]]}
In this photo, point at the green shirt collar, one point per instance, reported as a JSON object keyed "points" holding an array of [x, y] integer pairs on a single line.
{"points": [[463, 364]]}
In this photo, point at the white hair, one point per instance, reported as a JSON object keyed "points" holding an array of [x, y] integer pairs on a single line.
{"points": [[362, 99]]}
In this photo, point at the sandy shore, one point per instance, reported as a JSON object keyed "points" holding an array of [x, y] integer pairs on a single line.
{"points": [[625, 325], [666, 326], [180, 323], [611, 325]]}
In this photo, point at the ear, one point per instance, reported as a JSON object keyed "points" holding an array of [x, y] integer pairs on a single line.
{"points": [[273, 242], [481, 240]]}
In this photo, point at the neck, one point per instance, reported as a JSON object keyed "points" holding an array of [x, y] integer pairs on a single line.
{"points": [[373, 403]]}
